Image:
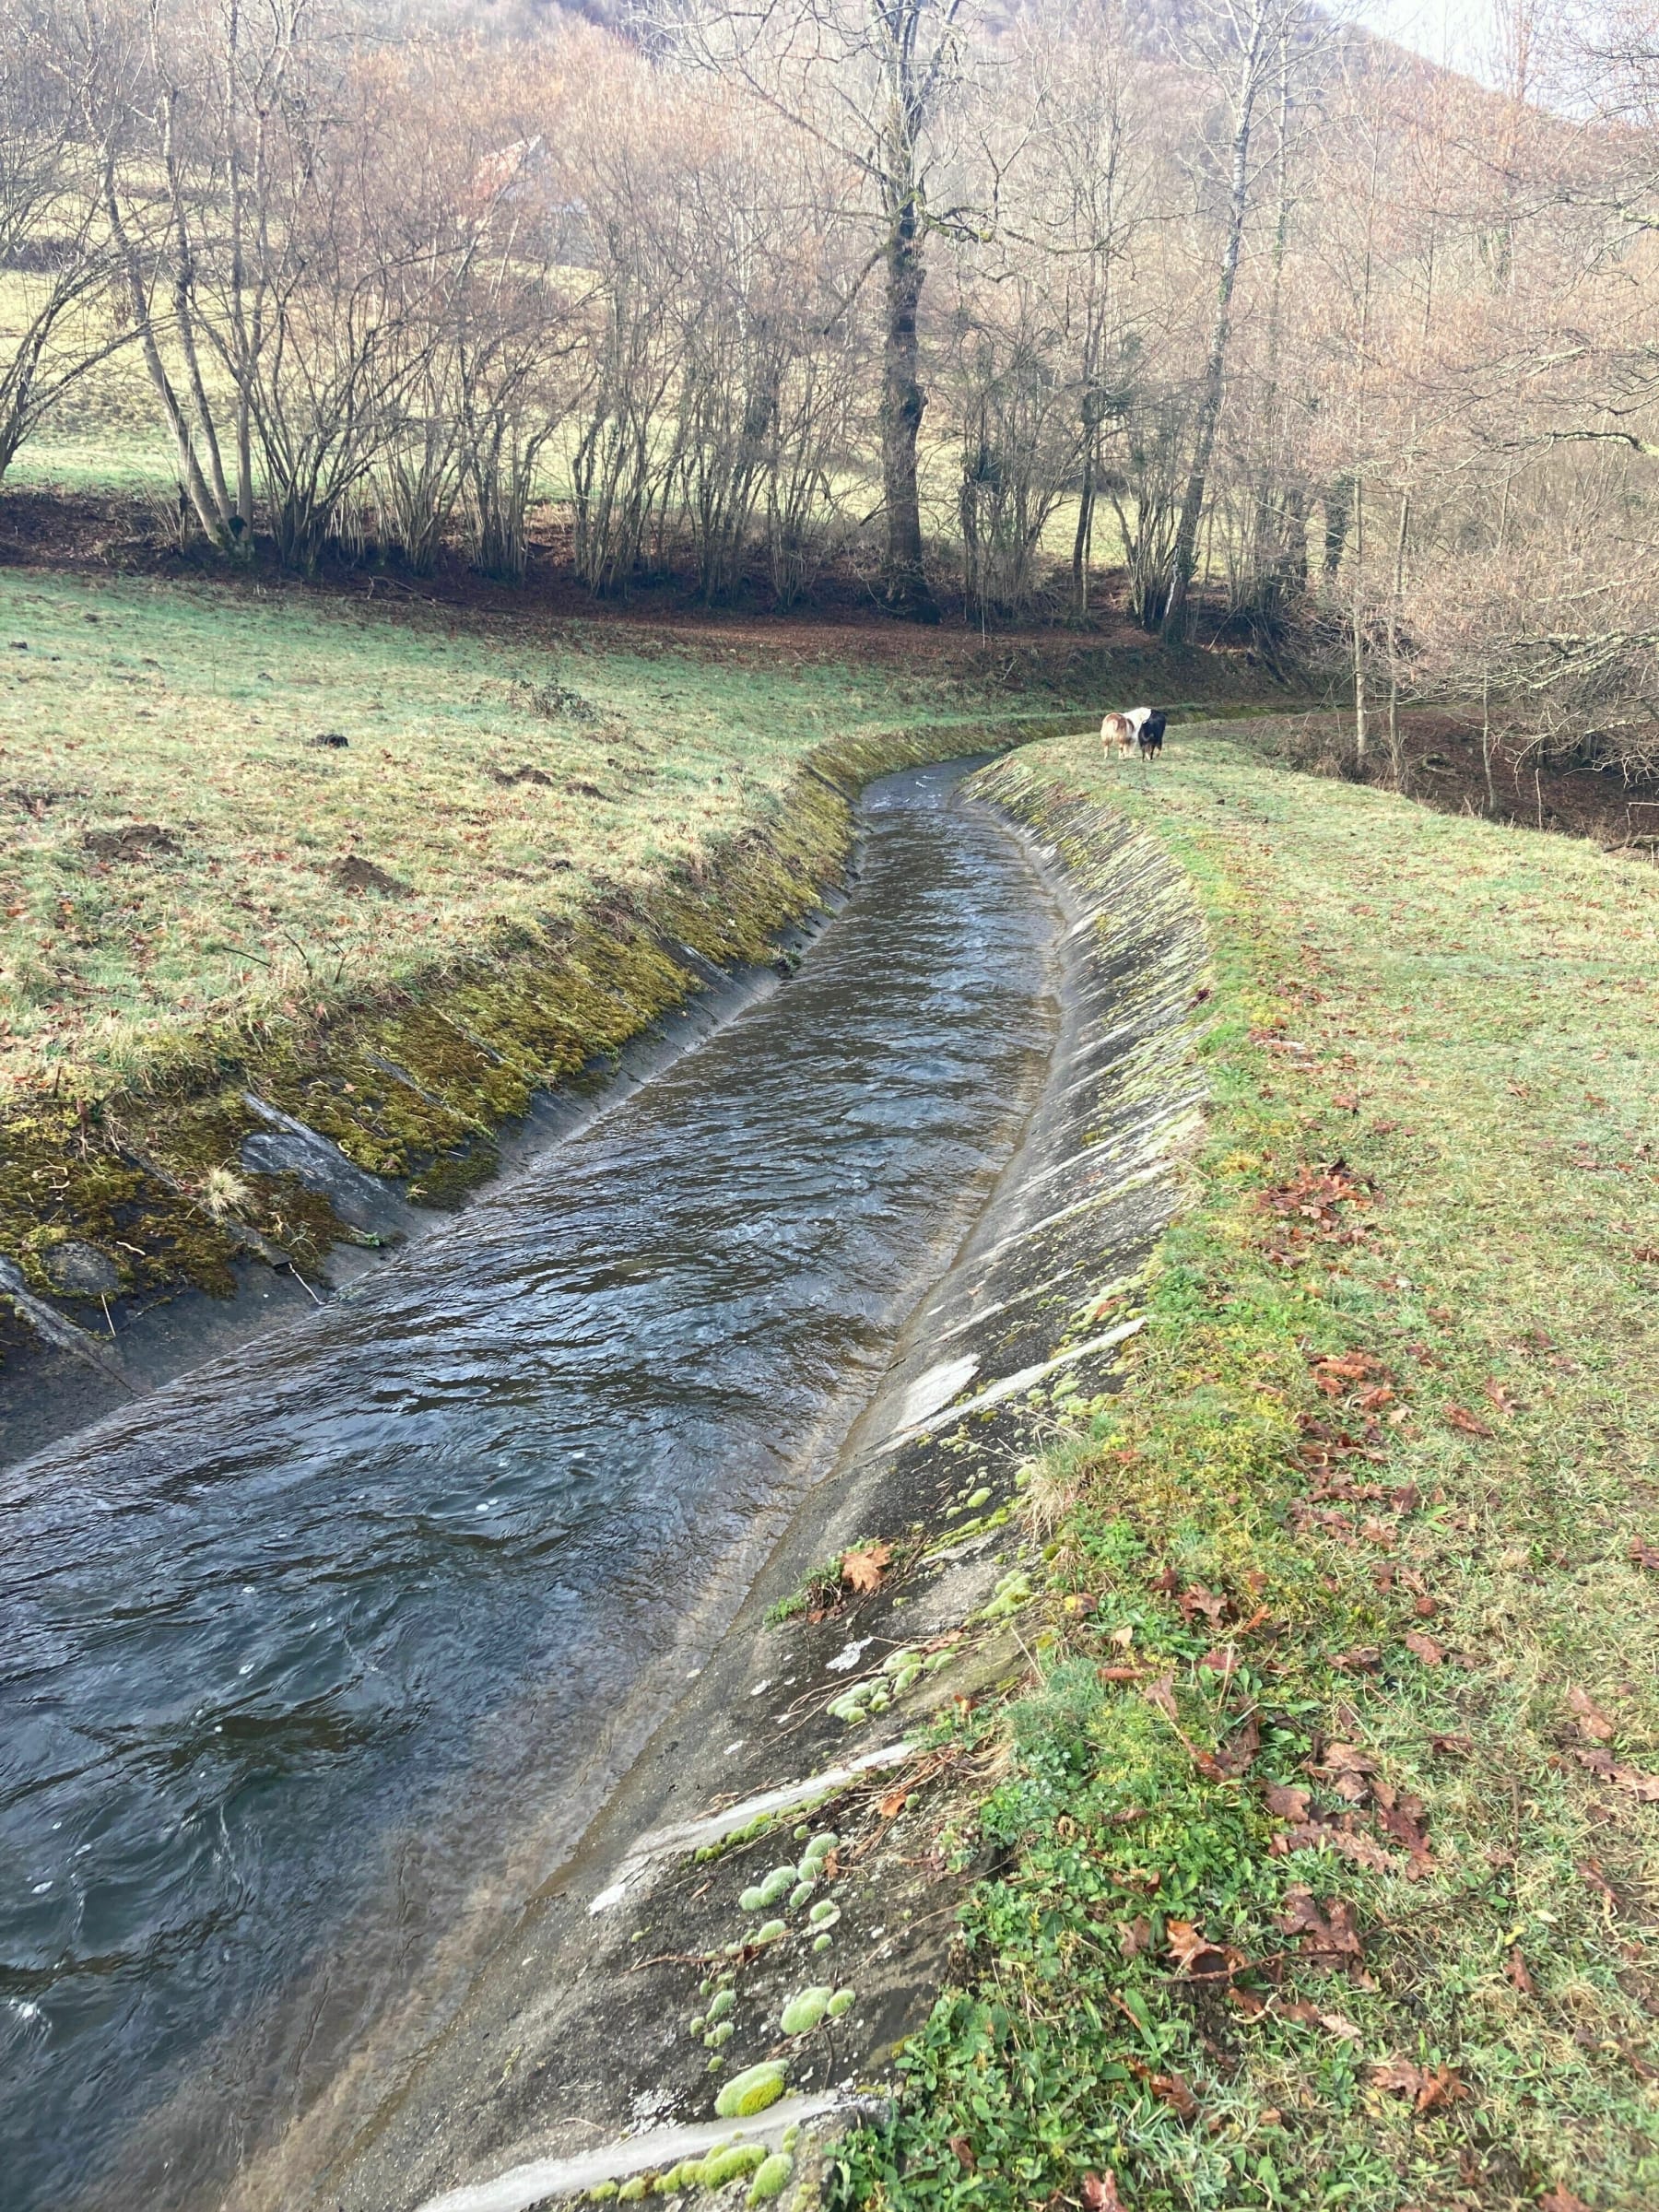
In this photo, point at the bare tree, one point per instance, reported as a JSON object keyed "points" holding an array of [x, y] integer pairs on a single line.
{"points": [[872, 81], [49, 238]]}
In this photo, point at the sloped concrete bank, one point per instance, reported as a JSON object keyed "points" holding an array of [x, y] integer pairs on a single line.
{"points": [[257, 1178], [718, 1981]]}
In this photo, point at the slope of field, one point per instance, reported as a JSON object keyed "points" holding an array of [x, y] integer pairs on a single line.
{"points": [[216, 807], [1328, 1820]]}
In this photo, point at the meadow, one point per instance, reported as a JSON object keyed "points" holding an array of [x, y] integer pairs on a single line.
{"points": [[220, 805], [1327, 1816]]}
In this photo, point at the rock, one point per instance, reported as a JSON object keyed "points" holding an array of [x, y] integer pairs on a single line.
{"points": [[80, 1270]]}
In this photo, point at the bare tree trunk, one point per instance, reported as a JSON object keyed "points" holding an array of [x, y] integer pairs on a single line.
{"points": [[905, 581], [1184, 562]]}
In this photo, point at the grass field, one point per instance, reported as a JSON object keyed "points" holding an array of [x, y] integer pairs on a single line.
{"points": [[180, 849], [1340, 1887]]}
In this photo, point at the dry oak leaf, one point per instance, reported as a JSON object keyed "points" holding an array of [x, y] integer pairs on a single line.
{"points": [[1100, 2192], [1593, 1722], [1517, 1973], [1561, 2199], [893, 1804], [1176, 2092], [1133, 1936], [1287, 1802], [1196, 1956], [1645, 1786], [1429, 2089], [1328, 1934], [863, 1570], [1337, 2023], [1423, 1647], [1643, 1554], [1459, 1417]]}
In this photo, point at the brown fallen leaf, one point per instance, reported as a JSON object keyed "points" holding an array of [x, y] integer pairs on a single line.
{"points": [[1589, 1870], [1117, 1674], [893, 1804], [1235, 1756], [1593, 1722], [863, 1570], [964, 2151], [1459, 1417], [1453, 1747], [1423, 1647], [1176, 2092], [1499, 1397], [1328, 1934], [1516, 1972], [1285, 1802], [1299, 2009], [1347, 1758], [1561, 2199], [1364, 1660], [1196, 1956], [1100, 2192], [1160, 1692], [1133, 1936], [1643, 1554], [1248, 2001], [1644, 1787], [1339, 2024], [1398, 2077]]}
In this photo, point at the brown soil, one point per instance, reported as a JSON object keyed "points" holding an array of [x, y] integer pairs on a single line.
{"points": [[85, 533], [1444, 770]]}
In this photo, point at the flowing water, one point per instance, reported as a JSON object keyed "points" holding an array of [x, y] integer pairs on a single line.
{"points": [[314, 1666]]}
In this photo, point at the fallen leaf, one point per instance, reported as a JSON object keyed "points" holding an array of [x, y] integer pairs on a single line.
{"points": [[1643, 1554], [1133, 1936], [1340, 2025], [964, 2151], [1398, 2075], [1561, 2199], [1212, 1604], [1222, 1660], [1234, 1756], [863, 1570], [1117, 1674], [1196, 1956], [1365, 1659], [1161, 1693], [1346, 1759], [1100, 2192], [1328, 1935], [1593, 1722], [1644, 1787], [1423, 1647], [1176, 2092], [1590, 1871], [1123, 1637], [1459, 1417], [1287, 1802], [1453, 1747], [1248, 2001], [1516, 1972], [1299, 2009], [1500, 1397], [893, 1804]]}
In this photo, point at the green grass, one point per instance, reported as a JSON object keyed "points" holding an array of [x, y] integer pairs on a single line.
{"points": [[128, 703], [1435, 1982]]}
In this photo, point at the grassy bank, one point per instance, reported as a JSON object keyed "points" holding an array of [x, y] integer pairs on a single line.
{"points": [[391, 875], [1327, 1821]]}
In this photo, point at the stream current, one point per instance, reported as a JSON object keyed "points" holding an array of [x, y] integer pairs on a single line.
{"points": [[314, 1666]]}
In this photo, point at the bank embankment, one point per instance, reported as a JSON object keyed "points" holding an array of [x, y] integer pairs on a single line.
{"points": [[1322, 1826], [238, 1165], [764, 1912]]}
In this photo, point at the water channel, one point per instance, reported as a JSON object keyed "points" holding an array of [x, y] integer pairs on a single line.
{"points": [[314, 1666]]}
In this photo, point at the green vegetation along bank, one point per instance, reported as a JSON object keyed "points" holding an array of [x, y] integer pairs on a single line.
{"points": [[1325, 1824]]}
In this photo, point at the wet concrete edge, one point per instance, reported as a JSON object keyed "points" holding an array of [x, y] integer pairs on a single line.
{"points": [[590, 2055]]}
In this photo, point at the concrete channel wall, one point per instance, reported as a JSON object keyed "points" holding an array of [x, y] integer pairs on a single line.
{"points": [[775, 1886]]}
